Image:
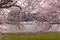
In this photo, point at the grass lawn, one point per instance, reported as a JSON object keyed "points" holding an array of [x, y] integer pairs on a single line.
{"points": [[45, 36]]}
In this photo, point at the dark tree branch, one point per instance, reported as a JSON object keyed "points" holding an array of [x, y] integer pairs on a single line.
{"points": [[4, 5]]}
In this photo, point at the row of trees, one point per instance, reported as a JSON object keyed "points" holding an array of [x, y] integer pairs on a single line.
{"points": [[31, 10]]}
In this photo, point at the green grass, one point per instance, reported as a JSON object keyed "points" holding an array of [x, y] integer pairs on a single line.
{"points": [[46, 36]]}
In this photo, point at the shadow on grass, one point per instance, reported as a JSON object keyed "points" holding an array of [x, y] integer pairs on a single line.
{"points": [[45, 36]]}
